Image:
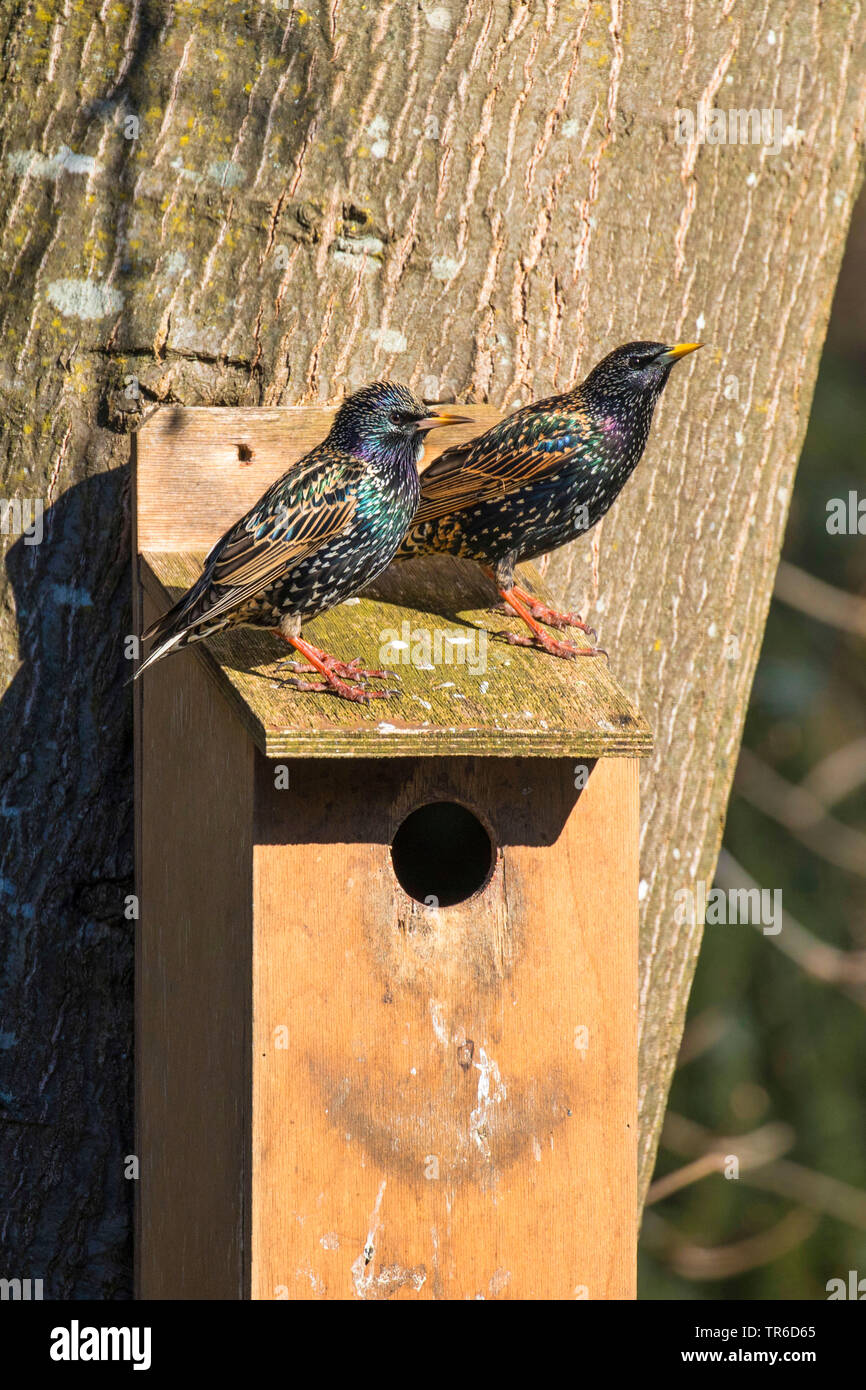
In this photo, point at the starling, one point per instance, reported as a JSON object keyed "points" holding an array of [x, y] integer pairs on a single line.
{"points": [[319, 534], [541, 477]]}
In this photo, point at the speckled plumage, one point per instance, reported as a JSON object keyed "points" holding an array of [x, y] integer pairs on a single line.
{"points": [[545, 474], [322, 531]]}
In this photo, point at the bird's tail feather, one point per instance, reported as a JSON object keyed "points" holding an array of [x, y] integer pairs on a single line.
{"points": [[161, 650]]}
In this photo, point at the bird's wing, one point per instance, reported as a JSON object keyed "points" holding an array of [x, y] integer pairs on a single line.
{"points": [[527, 445], [301, 511]]}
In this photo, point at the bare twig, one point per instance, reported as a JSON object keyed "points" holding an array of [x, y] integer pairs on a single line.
{"points": [[839, 774], [818, 600], [800, 812], [847, 969], [724, 1261], [780, 1175], [702, 1033], [751, 1151]]}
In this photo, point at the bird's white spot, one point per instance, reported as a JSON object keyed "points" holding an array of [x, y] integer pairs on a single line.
{"points": [[676, 854], [771, 37], [739, 439], [712, 630], [570, 129], [751, 179], [700, 323], [642, 890]]}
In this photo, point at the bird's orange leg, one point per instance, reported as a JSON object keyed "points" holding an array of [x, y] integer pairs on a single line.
{"points": [[539, 637], [551, 616], [331, 669]]}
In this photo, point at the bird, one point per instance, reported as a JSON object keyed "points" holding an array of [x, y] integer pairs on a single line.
{"points": [[541, 477], [321, 532]]}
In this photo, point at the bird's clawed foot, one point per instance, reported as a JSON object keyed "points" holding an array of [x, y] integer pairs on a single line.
{"points": [[516, 599], [553, 645], [551, 616], [336, 675]]}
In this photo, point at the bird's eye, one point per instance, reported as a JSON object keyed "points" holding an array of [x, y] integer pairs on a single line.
{"points": [[636, 362], [396, 417]]}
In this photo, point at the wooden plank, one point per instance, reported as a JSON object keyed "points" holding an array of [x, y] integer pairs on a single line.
{"points": [[193, 983], [444, 1103], [480, 695]]}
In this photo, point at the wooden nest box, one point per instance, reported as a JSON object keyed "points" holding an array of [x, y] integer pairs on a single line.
{"points": [[387, 964]]}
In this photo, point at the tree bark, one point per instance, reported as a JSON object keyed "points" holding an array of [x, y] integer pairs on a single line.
{"points": [[251, 204]]}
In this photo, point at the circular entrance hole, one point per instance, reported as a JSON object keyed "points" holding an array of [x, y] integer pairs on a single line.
{"points": [[442, 851]]}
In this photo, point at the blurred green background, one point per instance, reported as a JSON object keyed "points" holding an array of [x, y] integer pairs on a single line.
{"points": [[773, 1063]]}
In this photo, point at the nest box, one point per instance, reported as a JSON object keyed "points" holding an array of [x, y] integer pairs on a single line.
{"points": [[387, 955]]}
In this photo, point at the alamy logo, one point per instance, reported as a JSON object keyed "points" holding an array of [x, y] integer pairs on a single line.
{"points": [[756, 907], [846, 516], [426, 648], [854, 1289], [22, 516], [711, 126], [20, 1289], [77, 1343]]}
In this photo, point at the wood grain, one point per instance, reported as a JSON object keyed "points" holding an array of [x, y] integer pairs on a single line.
{"points": [[430, 1120], [194, 948]]}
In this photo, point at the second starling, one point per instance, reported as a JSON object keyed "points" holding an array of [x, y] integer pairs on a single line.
{"points": [[541, 477]]}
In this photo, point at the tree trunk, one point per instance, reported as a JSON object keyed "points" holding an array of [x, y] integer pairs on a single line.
{"points": [[251, 204]]}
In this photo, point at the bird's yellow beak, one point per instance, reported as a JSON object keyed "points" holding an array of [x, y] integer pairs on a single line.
{"points": [[673, 354], [442, 417]]}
